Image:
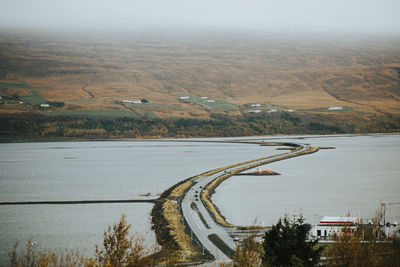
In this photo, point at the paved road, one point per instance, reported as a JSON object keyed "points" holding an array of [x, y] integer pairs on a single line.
{"points": [[203, 228]]}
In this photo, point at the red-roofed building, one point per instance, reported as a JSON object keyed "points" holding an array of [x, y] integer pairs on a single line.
{"points": [[328, 227]]}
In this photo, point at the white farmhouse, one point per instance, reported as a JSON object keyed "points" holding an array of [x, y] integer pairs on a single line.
{"points": [[132, 101], [183, 97], [335, 108], [44, 105], [329, 227], [255, 111]]}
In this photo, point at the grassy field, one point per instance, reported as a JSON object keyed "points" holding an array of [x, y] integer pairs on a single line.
{"points": [[17, 85], [211, 104], [326, 110], [34, 97], [93, 113], [235, 69], [153, 106]]}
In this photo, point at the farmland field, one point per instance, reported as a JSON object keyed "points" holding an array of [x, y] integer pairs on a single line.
{"points": [[21, 85], [34, 98], [110, 113], [212, 104]]}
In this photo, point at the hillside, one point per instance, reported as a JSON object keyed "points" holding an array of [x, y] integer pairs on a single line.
{"points": [[219, 72]]}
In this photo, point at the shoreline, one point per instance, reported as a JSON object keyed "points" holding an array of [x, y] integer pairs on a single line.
{"points": [[188, 139], [182, 187], [168, 238]]}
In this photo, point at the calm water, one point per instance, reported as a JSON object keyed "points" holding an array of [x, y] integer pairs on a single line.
{"points": [[69, 226], [108, 170], [354, 177], [95, 170]]}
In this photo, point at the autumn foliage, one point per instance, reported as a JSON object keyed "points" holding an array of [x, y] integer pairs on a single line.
{"points": [[119, 249], [45, 127]]}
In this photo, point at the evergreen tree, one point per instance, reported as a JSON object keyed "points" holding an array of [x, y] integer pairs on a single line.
{"points": [[285, 244]]}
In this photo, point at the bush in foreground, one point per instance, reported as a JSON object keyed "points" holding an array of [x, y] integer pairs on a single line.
{"points": [[350, 252], [119, 249], [33, 257]]}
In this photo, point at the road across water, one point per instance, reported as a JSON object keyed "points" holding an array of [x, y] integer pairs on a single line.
{"points": [[212, 236]]}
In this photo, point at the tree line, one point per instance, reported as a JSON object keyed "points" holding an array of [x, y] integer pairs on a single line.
{"points": [[42, 127]]}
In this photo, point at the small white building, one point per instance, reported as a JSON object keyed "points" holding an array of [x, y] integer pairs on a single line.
{"points": [[335, 108], [211, 101], [272, 110], [255, 111], [255, 105], [132, 101], [183, 97], [204, 97], [289, 110], [328, 227], [44, 105]]}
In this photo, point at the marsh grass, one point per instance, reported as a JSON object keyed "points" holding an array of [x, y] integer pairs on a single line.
{"points": [[186, 249], [179, 190]]}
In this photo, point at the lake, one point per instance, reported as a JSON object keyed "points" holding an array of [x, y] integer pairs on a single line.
{"points": [[354, 177], [92, 171]]}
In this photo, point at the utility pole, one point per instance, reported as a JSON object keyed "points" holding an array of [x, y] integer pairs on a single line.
{"points": [[384, 209], [384, 213]]}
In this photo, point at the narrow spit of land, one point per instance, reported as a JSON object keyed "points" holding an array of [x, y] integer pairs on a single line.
{"points": [[204, 226]]}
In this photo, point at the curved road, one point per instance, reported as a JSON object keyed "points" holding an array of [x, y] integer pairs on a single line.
{"points": [[193, 209]]}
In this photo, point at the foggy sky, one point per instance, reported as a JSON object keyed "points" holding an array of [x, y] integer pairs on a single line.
{"points": [[362, 16]]}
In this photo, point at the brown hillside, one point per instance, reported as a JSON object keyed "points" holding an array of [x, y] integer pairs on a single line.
{"points": [[94, 73]]}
